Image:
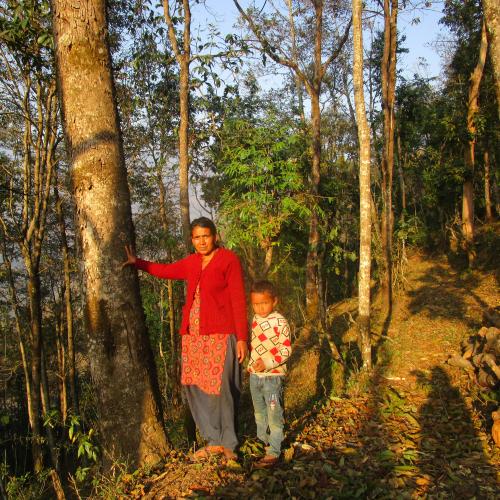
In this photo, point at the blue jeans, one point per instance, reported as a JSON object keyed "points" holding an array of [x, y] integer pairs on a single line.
{"points": [[267, 397]]}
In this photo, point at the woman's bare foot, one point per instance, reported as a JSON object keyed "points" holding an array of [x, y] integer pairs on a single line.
{"points": [[207, 452], [230, 454], [266, 462]]}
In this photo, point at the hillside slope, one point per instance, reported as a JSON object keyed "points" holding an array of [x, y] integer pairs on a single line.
{"points": [[417, 427]]}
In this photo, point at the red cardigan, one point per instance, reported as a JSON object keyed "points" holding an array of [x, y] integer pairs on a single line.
{"points": [[222, 293]]}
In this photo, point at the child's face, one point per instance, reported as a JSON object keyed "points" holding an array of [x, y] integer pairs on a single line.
{"points": [[263, 303]]}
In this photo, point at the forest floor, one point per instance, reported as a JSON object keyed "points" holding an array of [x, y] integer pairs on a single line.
{"points": [[416, 428]]}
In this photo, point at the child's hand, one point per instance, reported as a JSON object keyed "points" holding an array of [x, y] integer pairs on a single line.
{"points": [[495, 430], [259, 365]]}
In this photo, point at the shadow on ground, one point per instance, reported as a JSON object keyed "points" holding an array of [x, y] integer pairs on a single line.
{"points": [[451, 457], [441, 295]]}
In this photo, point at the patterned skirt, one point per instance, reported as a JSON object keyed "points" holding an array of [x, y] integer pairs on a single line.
{"points": [[203, 356]]}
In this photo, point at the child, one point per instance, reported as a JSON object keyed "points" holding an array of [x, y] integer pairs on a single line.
{"points": [[270, 349]]}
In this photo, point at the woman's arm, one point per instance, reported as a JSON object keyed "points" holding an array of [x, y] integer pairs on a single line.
{"points": [[175, 271], [236, 288]]}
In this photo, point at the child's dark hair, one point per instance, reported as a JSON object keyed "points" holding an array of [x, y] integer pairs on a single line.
{"points": [[264, 286], [204, 222]]}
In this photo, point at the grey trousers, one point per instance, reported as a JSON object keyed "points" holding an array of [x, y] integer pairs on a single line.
{"points": [[215, 414]]}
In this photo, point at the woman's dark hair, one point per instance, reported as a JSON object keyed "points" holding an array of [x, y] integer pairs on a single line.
{"points": [[203, 222], [264, 286]]}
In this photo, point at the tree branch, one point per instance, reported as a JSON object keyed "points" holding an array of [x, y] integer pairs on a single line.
{"points": [[269, 49], [336, 53]]}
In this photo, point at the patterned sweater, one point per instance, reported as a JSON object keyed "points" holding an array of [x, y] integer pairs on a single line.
{"points": [[271, 342]]}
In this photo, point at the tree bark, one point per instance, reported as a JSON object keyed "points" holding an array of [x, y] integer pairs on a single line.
{"points": [[312, 291], [175, 361], [402, 186], [298, 82], [67, 298], [491, 12], [364, 190], [470, 160], [388, 75], [183, 58], [120, 355], [487, 188]]}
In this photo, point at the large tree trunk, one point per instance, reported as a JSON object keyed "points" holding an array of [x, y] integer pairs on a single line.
{"points": [[491, 9], [470, 160], [388, 75], [364, 190], [120, 355]]}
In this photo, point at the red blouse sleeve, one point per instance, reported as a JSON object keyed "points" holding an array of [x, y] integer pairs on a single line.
{"points": [[236, 289], [175, 271]]}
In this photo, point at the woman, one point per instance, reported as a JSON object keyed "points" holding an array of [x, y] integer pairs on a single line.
{"points": [[214, 333]]}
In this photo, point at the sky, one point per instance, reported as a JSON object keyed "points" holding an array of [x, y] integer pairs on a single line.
{"points": [[419, 35]]}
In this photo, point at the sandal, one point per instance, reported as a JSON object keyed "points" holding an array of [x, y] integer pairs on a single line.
{"points": [[206, 452], [266, 462]]}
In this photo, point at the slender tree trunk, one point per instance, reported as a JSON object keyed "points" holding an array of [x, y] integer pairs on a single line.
{"points": [[402, 186], [183, 57], [491, 9], [487, 189], [298, 83], [184, 151], [364, 190], [312, 85], [468, 187], [388, 74], [268, 259], [312, 292], [61, 365], [175, 361], [36, 364], [67, 298], [45, 399], [121, 360], [32, 416]]}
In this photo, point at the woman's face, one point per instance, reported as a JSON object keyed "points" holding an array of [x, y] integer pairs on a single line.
{"points": [[203, 240]]}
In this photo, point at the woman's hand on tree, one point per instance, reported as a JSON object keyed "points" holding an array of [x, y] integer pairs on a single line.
{"points": [[131, 258], [241, 350]]}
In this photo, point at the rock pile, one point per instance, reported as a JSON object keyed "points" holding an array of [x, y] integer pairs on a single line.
{"points": [[480, 354]]}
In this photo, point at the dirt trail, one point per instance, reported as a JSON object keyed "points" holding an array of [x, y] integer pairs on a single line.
{"points": [[417, 428]]}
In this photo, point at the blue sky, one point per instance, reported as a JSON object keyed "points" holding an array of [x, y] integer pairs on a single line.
{"points": [[419, 35]]}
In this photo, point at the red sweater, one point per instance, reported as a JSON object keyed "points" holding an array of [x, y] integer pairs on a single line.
{"points": [[222, 293]]}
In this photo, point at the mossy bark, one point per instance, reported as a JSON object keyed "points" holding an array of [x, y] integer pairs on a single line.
{"points": [[120, 355]]}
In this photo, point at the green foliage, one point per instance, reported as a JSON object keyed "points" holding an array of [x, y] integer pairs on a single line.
{"points": [[261, 166], [25, 27], [83, 440], [27, 486]]}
